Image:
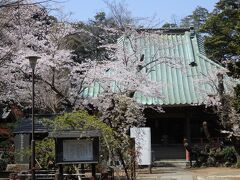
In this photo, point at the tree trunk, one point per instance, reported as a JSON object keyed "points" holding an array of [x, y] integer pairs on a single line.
{"points": [[123, 163], [236, 145]]}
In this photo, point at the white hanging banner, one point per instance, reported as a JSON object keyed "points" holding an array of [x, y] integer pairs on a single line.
{"points": [[142, 144]]}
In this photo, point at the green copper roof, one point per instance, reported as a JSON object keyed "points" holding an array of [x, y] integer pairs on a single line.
{"points": [[180, 87]]}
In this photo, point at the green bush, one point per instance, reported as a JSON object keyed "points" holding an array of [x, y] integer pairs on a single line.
{"points": [[238, 164], [229, 154], [3, 165], [6, 158], [45, 153]]}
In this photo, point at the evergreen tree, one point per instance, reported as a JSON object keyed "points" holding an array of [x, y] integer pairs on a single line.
{"points": [[222, 30], [86, 43], [222, 38], [196, 19], [170, 25]]}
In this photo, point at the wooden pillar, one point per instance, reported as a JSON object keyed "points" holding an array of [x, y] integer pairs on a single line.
{"points": [[133, 158], [150, 169], [82, 169], [59, 174], [61, 171], [94, 170], [188, 128]]}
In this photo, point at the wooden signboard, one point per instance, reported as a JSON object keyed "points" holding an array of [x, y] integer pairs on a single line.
{"points": [[70, 149], [81, 149]]}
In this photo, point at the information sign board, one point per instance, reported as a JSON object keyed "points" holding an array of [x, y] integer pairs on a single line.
{"points": [[78, 150], [74, 147]]}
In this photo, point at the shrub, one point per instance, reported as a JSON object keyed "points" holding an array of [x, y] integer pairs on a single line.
{"points": [[3, 165], [229, 154]]}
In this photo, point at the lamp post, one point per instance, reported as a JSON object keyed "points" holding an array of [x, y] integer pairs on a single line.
{"points": [[33, 62]]}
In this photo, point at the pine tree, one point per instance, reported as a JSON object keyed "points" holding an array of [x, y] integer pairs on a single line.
{"points": [[196, 19], [222, 30]]}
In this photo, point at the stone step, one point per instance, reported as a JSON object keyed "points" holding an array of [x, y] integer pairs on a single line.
{"points": [[170, 163], [168, 152]]}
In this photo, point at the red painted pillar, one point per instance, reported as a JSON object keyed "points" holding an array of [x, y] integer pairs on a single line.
{"points": [[187, 156]]}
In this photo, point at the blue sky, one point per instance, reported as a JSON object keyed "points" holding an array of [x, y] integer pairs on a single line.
{"points": [[164, 10]]}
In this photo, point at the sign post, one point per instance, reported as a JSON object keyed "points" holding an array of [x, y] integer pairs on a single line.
{"points": [[76, 147]]}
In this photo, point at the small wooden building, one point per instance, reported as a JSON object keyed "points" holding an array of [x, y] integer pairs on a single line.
{"points": [[22, 136], [7, 117]]}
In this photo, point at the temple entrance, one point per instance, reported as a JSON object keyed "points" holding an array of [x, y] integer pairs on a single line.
{"points": [[167, 137], [168, 130]]}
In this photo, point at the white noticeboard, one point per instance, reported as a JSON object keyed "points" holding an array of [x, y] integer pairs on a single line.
{"points": [[142, 144], [74, 150]]}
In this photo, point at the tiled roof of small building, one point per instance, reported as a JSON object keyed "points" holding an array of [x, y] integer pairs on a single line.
{"points": [[7, 115], [24, 126]]}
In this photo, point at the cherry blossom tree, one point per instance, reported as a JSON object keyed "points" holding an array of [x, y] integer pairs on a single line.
{"points": [[221, 97], [128, 72], [60, 79], [229, 116], [123, 75], [121, 71], [29, 30], [17, 3], [120, 113]]}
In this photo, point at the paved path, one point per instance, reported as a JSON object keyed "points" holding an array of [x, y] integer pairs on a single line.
{"points": [[191, 174]]}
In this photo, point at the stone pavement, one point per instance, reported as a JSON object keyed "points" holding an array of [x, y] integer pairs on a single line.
{"points": [[176, 173]]}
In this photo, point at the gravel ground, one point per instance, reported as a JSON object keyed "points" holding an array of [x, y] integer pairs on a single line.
{"points": [[174, 173]]}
